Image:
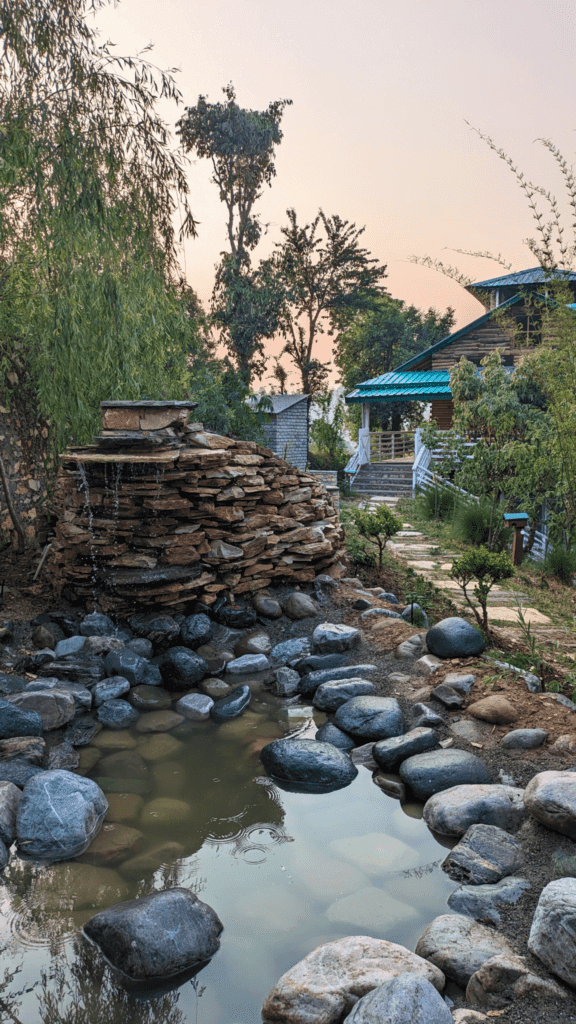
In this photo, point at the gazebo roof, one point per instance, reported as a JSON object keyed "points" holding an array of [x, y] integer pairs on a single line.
{"points": [[419, 386]]}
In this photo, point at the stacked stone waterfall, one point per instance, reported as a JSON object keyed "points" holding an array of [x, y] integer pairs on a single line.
{"points": [[158, 512]]}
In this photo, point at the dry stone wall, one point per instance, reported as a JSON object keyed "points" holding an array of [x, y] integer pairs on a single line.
{"points": [[23, 446]]}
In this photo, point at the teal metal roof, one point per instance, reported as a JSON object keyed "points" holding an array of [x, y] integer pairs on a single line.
{"points": [[420, 386], [533, 276]]}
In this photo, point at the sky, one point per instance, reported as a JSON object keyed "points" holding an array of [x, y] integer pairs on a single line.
{"points": [[382, 91]]}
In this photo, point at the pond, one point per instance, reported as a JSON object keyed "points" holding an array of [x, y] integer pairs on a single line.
{"points": [[284, 871]]}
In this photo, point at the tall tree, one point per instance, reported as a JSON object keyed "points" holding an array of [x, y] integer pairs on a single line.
{"points": [[327, 274], [240, 144]]}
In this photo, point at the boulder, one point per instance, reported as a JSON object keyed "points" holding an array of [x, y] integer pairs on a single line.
{"points": [[117, 714], [427, 665], [524, 739], [454, 638], [248, 663], [267, 606], [332, 638], [108, 689], [11, 684], [195, 706], [313, 662], [215, 688], [416, 615], [150, 698], [159, 721], [55, 707], [330, 696], [71, 645], [324, 987], [552, 935], [378, 613], [424, 715], [63, 756], [401, 1000], [157, 936], [141, 646], [25, 748], [310, 682], [330, 733], [9, 800], [437, 770], [286, 683], [504, 979], [551, 798], [96, 624], [182, 668], [387, 596], [19, 772], [370, 718], [128, 664], [290, 651], [494, 709], [234, 617], [232, 705], [452, 811], [308, 763], [459, 946], [160, 629], [484, 855], [482, 901], [389, 752], [300, 606], [460, 682], [18, 721], [254, 643], [195, 630], [58, 816], [448, 696]]}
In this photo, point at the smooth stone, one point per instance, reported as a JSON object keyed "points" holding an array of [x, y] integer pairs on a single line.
{"points": [[77, 668], [484, 855], [81, 694], [459, 682], [164, 811], [330, 696], [267, 606], [18, 721], [157, 856], [254, 643], [235, 617], [452, 811], [59, 815], [494, 709], [314, 662], [469, 730], [370, 718], [232, 705], [9, 800], [151, 675], [425, 716], [330, 733], [123, 807], [150, 698], [160, 747], [96, 624], [79, 886], [117, 714], [248, 663], [47, 635], [387, 596], [124, 764], [504, 979], [324, 987], [112, 844], [563, 746], [11, 684], [481, 901], [286, 683], [290, 651], [159, 721], [102, 645], [377, 613], [307, 762], [552, 935], [333, 638], [195, 706], [391, 786], [154, 626], [310, 682], [448, 697], [376, 853], [300, 606], [389, 752], [402, 1000], [371, 909], [141, 646], [437, 770], [459, 946], [454, 638], [55, 707], [126, 663], [427, 665], [18, 772], [361, 604], [108, 689], [195, 631], [524, 739], [156, 936], [71, 645], [215, 688], [111, 785], [418, 617], [551, 798], [408, 648], [182, 668], [110, 740]]}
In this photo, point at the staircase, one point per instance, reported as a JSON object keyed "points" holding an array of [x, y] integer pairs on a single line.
{"points": [[392, 479]]}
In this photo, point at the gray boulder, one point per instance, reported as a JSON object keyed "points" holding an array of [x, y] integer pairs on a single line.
{"points": [[117, 714], [330, 696], [157, 936], [11, 684], [310, 682], [370, 718], [552, 935], [332, 638], [300, 606], [484, 855], [454, 810], [415, 614], [253, 643], [504, 979], [308, 763], [195, 630], [128, 664], [379, 613], [551, 798], [232, 705], [387, 596], [330, 733], [454, 638], [18, 771], [97, 624], [286, 683], [437, 770], [141, 646], [71, 645], [59, 815], [448, 696], [388, 752], [424, 715], [9, 800], [482, 901], [16, 721], [267, 606], [313, 662], [401, 1000], [524, 739], [290, 651], [248, 663], [55, 707], [195, 706], [108, 689], [160, 629], [182, 668], [459, 946]]}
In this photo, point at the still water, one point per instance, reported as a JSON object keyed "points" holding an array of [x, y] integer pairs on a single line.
{"points": [[284, 871]]}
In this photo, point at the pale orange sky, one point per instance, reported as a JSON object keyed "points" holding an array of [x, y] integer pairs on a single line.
{"points": [[381, 91]]}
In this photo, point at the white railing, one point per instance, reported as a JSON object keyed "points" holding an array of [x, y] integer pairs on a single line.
{"points": [[361, 456]]}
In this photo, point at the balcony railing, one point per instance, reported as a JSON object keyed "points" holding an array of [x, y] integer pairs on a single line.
{"points": [[391, 444]]}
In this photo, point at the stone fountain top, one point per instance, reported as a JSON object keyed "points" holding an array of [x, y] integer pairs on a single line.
{"points": [[145, 414]]}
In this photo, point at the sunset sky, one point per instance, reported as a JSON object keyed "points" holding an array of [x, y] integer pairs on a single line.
{"points": [[377, 132]]}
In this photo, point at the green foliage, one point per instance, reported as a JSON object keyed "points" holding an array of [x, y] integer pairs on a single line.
{"points": [[327, 445], [485, 568], [561, 563], [376, 527], [481, 523], [437, 502]]}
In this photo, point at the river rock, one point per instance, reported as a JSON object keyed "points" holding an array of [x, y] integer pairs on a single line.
{"points": [[454, 638], [150, 698], [195, 630], [307, 762], [415, 614], [401, 1000], [25, 748], [83, 668], [96, 624], [158, 855], [448, 696], [108, 689], [290, 651], [460, 682], [59, 815], [310, 682], [330, 696], [182, 668], [18, 721], [363, 755], [378, 613], [164, 811], [160, 629], [330, 733], [424, 715], [11, 684], [267, 606], [552, 935], [55, 707], [494, 709], [324, 987], [19, 772], [254, 643], [452, 811], [286, 683], [124, 764], [333, 638], [156, 936], [9, 800], [389, 752], [81, 694], [370, 718], [99, 646], [437, 770], [71, 645], [300, 606], [128, 664], [160, 746], [564, 745], [159, 721], [123, 807], [427, 665], [504, 979], [235, 617], [141, 646], [481, 901], [112, 845], [387, 596], [248, 663], [215, 688], [232, 705], [47, 635], [4, 855], [524, 739], [314, 662], [551, 798], [195, 706], [63, 756], [484, 855], [117, 714], [459, 946]]}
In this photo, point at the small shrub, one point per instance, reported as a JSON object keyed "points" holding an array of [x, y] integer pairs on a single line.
{"points": [[480, 524], [561, 563], [484, 568], [438, 503], [376, 527]]}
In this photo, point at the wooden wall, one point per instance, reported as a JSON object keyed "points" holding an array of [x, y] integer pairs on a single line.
{"points": [[443, 413]]}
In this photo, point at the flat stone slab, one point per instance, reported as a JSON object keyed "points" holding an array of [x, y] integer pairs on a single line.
{"points": [[531, 615]]}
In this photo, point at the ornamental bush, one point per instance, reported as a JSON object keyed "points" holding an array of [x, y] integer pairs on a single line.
{"points": [[484, 568]]}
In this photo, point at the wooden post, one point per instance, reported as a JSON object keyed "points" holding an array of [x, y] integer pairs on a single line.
{"points": [[518, 545]]}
